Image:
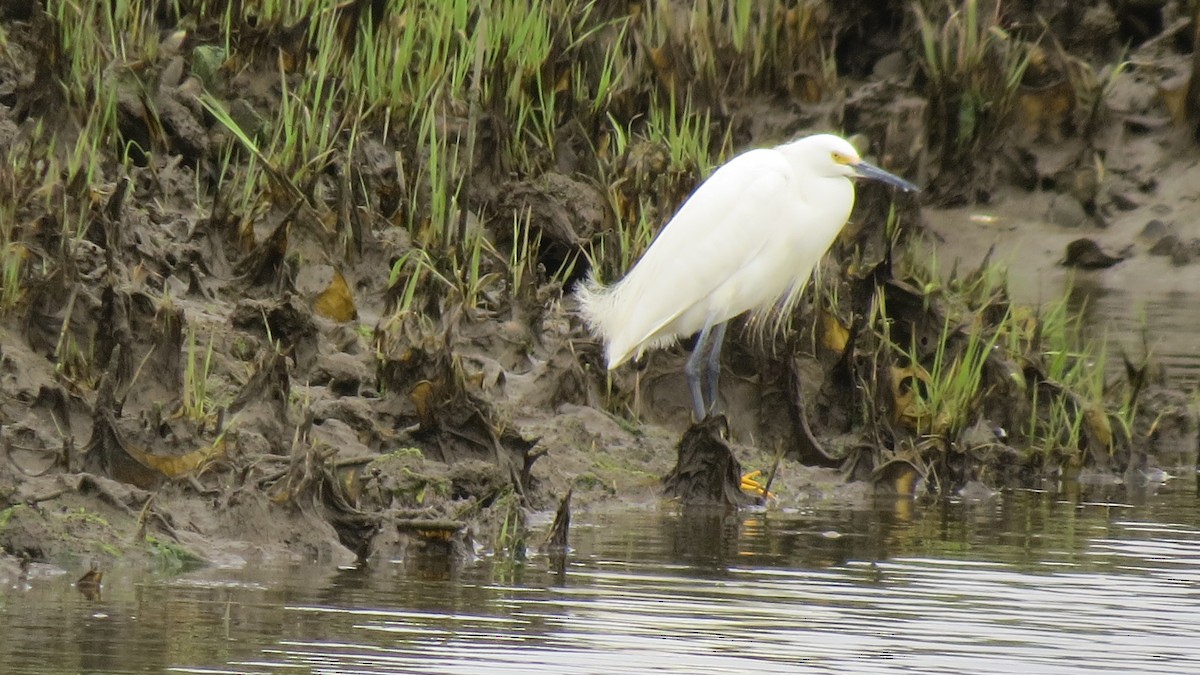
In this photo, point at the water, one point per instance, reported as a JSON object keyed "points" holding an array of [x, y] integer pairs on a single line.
{"points": [[1095, 579], [1161, 323], [1144, 304]]}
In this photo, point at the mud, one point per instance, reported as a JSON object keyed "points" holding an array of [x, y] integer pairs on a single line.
{"points": [[322, 419]]}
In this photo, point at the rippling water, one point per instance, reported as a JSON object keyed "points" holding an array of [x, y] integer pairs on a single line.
{"points": [[1091, 580]]}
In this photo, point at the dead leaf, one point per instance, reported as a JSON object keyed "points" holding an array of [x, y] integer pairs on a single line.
{"points": [[421, 395], [246, 239], [1043, 112], [557, 537], [91, 577], [175, 466], [1173, 93], [909, 387], [1099, 428], [835, 335], [431, 529], [905, 388], [337, 301], [264, 264], [89, 583]]}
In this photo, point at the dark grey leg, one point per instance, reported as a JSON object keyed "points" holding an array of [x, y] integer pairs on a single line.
{"points": [[714, 367], [692, 369]]}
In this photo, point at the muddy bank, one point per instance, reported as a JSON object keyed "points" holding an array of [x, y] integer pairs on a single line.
{"points": [[261, 302]]}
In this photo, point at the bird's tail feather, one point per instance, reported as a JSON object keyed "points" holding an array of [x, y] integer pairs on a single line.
{"points": [[605, 310], [596, 306]]}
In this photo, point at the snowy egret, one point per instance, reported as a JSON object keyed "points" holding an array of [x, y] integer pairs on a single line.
{"points": [[747, 239]]}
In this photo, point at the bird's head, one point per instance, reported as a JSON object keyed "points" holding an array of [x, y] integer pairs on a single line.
{"points": [[834, 156]]}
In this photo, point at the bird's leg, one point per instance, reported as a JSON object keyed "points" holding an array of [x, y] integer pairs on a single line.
{"points": [[714, 367], [692, 369]]}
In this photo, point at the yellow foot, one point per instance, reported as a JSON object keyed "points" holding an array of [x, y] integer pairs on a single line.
{"points": [[750, 484]]}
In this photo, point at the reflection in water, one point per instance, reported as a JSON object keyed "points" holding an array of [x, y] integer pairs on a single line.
{"points": [[1159, 324], [1083, 295], [704, 539], [1093, 579], [1166, 327]]}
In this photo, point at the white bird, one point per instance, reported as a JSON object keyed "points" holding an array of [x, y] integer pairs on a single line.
{"points": [[748, 238]]}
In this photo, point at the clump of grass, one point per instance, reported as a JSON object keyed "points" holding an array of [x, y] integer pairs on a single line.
{"points": [[171, 557], [12, 260], [955, 386], [197, 403], [522, 259], [313, 111], [414, 269], [6, 515], [15, 179], [739, 47], [1074, 409], [973, 68], [995, 361], [511, 530]]}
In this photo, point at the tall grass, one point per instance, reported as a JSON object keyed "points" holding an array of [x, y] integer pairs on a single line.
{"points": [[439, 79], [996, 358], [973, 69]]}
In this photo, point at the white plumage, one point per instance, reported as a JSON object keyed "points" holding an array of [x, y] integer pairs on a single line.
{"points": [[747, 238]]}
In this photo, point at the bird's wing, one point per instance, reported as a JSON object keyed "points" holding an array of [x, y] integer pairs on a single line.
{"points": [[723, 226]]}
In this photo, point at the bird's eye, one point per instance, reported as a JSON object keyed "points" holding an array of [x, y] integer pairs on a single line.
{"points": [[839, 158]]}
